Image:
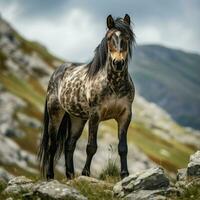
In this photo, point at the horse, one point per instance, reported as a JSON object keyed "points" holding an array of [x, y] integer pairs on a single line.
{"points": [[99, 90]]}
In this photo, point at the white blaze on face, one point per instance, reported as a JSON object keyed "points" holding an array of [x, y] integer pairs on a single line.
{"points": [[117, 39]]}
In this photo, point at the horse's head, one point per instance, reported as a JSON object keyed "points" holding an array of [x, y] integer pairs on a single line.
{"points": [[119, 41]]}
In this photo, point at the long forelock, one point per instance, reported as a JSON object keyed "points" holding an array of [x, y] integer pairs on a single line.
{"points": [[125, 28]]}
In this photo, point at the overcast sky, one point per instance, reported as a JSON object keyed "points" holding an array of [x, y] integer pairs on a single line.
{"points": [[73, 28]]}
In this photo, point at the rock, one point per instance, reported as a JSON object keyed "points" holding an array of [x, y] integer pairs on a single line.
{"points": [[19, 180], [57, 190], [193, 169], [146, 195], [150, 180], [42, 190], [18, 185]]}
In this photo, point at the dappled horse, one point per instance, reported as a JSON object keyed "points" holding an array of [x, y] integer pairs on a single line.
{"points": [[93, 92]]}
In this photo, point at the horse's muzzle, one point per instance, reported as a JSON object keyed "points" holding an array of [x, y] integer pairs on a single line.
{"points": [[118, 64]]}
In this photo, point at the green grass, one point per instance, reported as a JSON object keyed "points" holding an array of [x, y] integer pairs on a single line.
{"points": [[21, 88], [2, 60], [93, 191], [110, 171], [191, 193]]}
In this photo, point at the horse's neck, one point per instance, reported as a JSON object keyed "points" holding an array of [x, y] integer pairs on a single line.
{"points": [[117, 80]]}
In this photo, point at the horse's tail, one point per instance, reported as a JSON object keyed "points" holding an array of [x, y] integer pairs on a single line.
{"points": [[43, 154], [63, 132]]}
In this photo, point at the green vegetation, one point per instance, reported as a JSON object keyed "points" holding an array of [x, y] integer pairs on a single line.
{"points": [[2, 61], [94, 191], [191, 193], [2, 185], [22, 89], [110, 171]]}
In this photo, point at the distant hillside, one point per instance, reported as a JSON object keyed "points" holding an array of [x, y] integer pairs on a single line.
{"points": [[170, 78]]}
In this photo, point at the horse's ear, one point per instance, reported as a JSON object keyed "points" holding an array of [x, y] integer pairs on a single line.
{"points": [[110, 22], [127, 19]]}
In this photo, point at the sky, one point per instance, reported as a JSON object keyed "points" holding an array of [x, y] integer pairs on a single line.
{"points": [[72, 29]]}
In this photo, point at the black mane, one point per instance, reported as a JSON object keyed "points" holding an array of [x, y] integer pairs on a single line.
{"points": [[101, 51]]}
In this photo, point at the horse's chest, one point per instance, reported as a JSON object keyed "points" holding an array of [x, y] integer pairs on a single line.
{"points": [[112, 107]]}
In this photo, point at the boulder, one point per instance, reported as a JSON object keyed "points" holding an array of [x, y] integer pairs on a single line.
{"points": [[18, 185], [143, 185], [56, 190], [42, 190], [193, 168]]}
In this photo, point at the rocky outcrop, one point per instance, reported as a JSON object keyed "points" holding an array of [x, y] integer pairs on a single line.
{"points": [[42, 189], [193, 169], [144, 185], [153, 184]]}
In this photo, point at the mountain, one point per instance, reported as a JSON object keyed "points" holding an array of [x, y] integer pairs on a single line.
{"points": [[154, 138], [169, 78]]}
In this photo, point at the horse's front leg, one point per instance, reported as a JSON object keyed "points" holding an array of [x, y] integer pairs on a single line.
{"points": [[92, 142], [123, 124]]}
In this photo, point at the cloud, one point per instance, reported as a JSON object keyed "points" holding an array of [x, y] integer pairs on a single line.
{"points": [[72, 29], [73, 36]]}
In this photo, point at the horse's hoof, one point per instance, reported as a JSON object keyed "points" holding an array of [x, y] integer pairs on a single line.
{"points": [[124, 174], [50, 177], [69, 175], [85, 172]]}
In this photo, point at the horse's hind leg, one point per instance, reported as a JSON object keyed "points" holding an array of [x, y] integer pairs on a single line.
{"points": [[77, 125], [55, 117]]}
